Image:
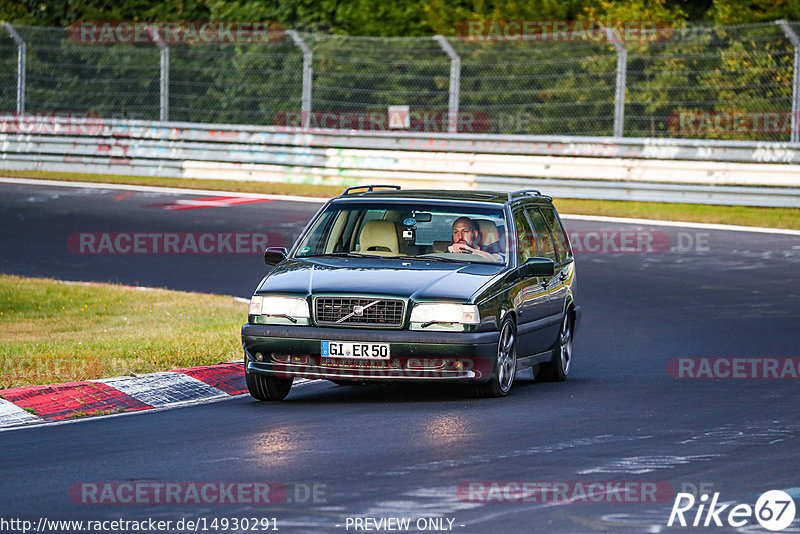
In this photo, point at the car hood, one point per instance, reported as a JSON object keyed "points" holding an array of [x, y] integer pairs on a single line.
{"points": [[414, 279]]}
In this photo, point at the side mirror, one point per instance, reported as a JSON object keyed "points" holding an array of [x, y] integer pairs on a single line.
{"points": [[274, 255], [537, 267]]}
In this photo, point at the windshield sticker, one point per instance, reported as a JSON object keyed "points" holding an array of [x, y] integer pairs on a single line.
{"points": [[304, 250], [410, 222]]}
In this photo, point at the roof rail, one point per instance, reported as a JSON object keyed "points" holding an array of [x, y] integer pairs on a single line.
{"points": [[369, 188], [524, 192]]}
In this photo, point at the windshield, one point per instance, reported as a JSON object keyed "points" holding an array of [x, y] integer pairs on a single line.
{"points": [[424, 231]]}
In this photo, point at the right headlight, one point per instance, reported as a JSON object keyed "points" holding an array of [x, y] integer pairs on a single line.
{"points": [[292, 308], [445, 313]]}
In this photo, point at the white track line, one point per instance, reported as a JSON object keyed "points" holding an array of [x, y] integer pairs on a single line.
{"points": [[155, 189], [678, 224]]}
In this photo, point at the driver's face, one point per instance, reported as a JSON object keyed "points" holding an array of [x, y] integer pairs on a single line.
{"points": [[463, 234]]}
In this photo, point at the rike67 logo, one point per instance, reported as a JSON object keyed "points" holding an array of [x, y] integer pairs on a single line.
{"points": [[774, 510]]}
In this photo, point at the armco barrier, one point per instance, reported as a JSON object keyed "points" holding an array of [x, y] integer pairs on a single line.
{"points": [[718, 172]]}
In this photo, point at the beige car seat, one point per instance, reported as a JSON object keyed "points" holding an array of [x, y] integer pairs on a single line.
{"points": [[488, 232], [379, 237]]}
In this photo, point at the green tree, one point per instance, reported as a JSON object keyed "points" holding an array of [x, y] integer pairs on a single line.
{"points": [[727, 12]]}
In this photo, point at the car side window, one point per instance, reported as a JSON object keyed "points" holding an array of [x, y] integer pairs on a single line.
{"points": [[314, 242], [559, 236], [543, 237], [526, 238]]}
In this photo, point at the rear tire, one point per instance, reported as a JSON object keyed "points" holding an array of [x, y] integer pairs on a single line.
{"points": [[557, 368], [505, 368], [267, 388]]}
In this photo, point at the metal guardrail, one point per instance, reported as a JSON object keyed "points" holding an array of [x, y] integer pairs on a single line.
{"points": [[581, 146], [661, 170]]}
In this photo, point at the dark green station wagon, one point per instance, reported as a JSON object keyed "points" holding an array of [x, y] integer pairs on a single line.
{"points": [[396, 285]]}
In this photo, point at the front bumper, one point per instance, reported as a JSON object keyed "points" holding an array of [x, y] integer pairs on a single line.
{"points": [[295, 351]]}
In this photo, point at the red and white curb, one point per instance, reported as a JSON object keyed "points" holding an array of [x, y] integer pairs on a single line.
{"points": [[32, 405], [36, 405]]}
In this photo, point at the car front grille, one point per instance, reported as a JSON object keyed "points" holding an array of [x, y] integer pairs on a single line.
{"points": [[344, 311]]}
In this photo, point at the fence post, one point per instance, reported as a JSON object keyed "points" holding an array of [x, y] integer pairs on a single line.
{"points": [[21, 66], [622, 72], [455, 83], [163, 107], [792, 36], [308, 73]]}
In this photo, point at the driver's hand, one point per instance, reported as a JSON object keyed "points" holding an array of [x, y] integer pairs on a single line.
{"points": [[460, 247]]}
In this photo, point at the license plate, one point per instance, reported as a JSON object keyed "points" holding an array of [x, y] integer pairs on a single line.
{"points": [[344, 349]]}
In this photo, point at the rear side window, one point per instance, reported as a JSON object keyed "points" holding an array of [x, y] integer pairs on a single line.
{"points": [[526, 237], [559, 235], [543, 237]]}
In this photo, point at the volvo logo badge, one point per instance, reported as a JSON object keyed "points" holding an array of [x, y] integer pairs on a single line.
{"points": [[357, 310]]}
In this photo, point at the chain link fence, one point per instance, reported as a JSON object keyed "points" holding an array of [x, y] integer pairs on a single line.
{"points": [[735, 82]]}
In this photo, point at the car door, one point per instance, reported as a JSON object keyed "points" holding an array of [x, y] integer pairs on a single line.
{"points": [[550, 313], [529, 295], [565, 265]]}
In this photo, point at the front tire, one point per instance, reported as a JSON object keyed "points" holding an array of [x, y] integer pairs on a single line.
{"points": [[267, 388], [506, 365], [557, 368]]}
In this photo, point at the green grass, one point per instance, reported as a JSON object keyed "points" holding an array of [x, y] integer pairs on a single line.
{"points": [[80, 414], [736, 215], [52, 332]]}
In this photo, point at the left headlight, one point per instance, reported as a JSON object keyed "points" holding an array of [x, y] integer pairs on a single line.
{"points": [[293, 307], [445, 313]]}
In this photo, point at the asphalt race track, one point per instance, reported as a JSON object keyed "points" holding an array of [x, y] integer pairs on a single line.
{"points": [[429, 452]]}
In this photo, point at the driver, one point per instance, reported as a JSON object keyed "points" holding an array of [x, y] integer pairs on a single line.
{"points": [[465, 239]]}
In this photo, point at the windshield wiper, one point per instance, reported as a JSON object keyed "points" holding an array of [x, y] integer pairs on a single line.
{"points": [[340, 254], [427, 258], [360, 255], [283, 315]]}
